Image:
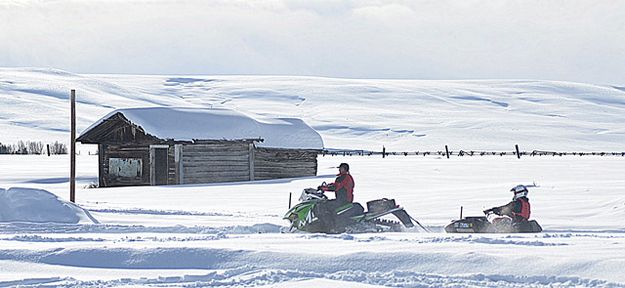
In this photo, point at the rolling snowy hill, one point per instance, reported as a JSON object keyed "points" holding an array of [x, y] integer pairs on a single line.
{"points": [[366, 114]]}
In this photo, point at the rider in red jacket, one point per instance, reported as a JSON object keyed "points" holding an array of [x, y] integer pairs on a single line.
{"points": [[343, 186], [518, 209]]}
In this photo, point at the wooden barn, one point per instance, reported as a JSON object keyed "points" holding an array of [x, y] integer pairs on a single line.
{"points": [[165, 145]]}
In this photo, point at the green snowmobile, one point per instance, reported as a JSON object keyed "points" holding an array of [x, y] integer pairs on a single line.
{"points": [[316, 213]]}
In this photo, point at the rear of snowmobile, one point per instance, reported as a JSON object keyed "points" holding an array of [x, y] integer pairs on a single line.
{"points": [[350, 217]]}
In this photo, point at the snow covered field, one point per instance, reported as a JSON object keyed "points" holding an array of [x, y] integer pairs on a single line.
{"points": [[229, 235]]}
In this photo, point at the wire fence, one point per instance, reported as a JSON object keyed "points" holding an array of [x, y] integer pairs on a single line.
{"points": [[465, 153]]}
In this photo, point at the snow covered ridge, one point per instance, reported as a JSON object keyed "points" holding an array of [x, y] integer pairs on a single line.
{"points": [[36, 205], [403, 115], [219, 124]]}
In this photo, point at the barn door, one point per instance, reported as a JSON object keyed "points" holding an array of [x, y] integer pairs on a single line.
{"points": [[158, 164]]}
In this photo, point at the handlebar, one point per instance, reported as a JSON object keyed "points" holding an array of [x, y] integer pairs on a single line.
{"points": [[494, 210]]}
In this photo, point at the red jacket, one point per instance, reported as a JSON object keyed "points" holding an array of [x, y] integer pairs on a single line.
{"points": [[519, 209], [522, 208], [343, 186]]}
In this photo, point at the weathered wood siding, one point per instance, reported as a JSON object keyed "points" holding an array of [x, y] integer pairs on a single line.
{"points": [[219, 162], [172, 177], [210, 163], [282, 163], [124, 152]]}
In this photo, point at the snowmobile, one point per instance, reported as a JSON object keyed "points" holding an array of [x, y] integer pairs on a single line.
{"points": [[316, 213], [481, 224]]}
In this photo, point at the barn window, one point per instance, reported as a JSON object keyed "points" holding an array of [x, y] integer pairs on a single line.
{"points": [[125, 167]]}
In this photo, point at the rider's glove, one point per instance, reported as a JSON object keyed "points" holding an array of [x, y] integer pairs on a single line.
{"points": [[492, 210]]}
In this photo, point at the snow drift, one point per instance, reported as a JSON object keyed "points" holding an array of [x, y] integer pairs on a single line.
{"points": [[36, 205]]}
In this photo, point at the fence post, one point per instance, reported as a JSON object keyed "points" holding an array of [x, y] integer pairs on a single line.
{"points": [[289, 200], [447, 151], [48, 148], [383, 152], [518, 155]]}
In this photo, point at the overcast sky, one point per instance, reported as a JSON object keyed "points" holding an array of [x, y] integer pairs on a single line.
{"points": [[580, 41]]}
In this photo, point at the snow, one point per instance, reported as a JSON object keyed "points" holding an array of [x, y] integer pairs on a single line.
{"points": [[411, 115], [231, 234], [219, 124], [36, 205]]}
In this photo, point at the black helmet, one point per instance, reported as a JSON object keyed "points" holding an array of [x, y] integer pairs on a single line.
{"points": [[344, 166]]}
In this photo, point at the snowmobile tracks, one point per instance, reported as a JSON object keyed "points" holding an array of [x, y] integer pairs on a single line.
{"points": [[395, 226]]}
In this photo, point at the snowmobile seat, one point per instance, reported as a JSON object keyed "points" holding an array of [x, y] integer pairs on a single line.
{"points": [[354, 210]]}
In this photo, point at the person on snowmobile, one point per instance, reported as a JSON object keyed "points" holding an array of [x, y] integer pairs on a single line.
{"points": [[518, 209], [343, 187]]}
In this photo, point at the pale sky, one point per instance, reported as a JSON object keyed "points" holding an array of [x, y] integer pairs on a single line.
{"points": [[581, 41]]}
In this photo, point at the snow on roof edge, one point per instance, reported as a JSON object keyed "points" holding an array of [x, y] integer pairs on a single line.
{"points": [[192, 123]]}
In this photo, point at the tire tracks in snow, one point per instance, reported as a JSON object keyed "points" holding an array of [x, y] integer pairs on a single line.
{"points": [[38, 228], [398, 269]]}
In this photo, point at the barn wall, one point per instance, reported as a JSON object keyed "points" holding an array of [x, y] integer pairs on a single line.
{"points": [[283, 163], [171, 166], [123, 152], [211, 163], [215, 162]]}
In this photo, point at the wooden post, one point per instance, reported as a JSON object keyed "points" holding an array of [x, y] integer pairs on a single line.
{"points": [[251, 160], [518, 155], [178, 162], [447, 151], [101, 159], [151, 165], [72, 154], [48, 148], [383, 151]]}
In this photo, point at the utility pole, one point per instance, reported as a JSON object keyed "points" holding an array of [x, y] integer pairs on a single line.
{"points": [[72, 153]]}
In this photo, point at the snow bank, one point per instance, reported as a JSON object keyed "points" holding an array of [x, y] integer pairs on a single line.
{"points": [[35, 205]]}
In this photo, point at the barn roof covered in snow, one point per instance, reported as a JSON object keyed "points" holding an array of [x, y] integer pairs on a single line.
{"points": [[188, 124]]}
